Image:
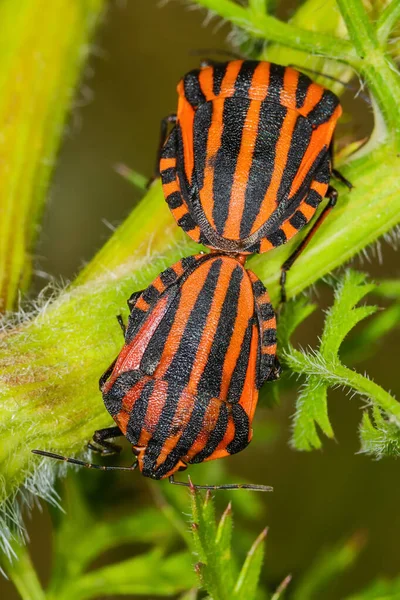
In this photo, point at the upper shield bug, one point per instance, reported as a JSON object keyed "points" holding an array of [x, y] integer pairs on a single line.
{"points": [[200, 342], [249, 158]]}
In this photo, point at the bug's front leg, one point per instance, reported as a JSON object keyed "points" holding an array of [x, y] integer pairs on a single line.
{"points": [[100, 443], [332, 196]]}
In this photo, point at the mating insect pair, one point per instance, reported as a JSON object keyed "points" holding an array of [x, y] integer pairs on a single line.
{"points": [[245, 166]]}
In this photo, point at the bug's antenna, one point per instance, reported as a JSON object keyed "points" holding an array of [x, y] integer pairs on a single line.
{"points": [[81, 463], [227, 486]]}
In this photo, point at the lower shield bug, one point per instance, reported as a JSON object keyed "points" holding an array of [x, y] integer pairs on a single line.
{"points": [[199, 344]]}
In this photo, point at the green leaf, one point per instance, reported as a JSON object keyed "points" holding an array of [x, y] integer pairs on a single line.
{"points": [[223, 546], [364, 343], [343, 316], [327, 567], [380, 436], [247, 582], [204, 528], [388, 288], [19, 568], [135, 178], [73, 552], [291, 316], [311, 410], [383, 589], [150, 574], [224, 534], [278, 595], [215, 562], [190, 595]]}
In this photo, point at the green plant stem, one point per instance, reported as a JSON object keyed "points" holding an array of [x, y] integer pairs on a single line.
{"points": [[138, 236], [258, 7], [43, 46], [376, 66], [272, 29], [369, 388], [388, 20], [21, 571], [334, 373]]}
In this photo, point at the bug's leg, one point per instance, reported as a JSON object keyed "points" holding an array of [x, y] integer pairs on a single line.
{"points": [[133, 299], [228, 486], [100, 443], [121, 324], [108, 372], [337, 174], [275, 371], [81, 463], [287, 265], [163, 136], [268, 367]]}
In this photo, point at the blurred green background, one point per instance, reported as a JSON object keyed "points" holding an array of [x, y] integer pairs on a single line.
{"points": [[320, 498]]}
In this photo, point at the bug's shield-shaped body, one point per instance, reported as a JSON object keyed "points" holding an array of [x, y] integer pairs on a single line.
{"points": [[249, 159], [200, 342]]}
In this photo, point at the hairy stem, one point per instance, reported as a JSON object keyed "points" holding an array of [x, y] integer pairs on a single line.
{"points": [[272, 29], [375, 65], [369, 388]]}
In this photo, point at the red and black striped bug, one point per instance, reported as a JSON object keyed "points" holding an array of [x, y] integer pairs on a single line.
{"points": [[200, 342], [244, 168], [249, 158]]}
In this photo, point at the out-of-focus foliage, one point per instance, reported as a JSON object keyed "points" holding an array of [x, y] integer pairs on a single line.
{"points": [[43, 47], [82, 535], [180, 553]]}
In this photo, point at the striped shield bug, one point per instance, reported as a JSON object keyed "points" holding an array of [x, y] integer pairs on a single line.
{"points": [[200, 342], [249, 158]]}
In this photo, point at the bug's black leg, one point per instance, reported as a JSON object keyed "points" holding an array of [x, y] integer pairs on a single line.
{"points": [[163, 136], [332, 195], [228, 486], [276, 371], [133, 299], [100, 443], [121, 324], [108, 372], [81, 463], [337, 174]]}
